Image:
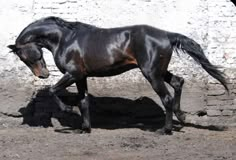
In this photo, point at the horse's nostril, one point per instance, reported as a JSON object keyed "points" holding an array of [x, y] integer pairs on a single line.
{"points": [[43, 76], [44, 73]]}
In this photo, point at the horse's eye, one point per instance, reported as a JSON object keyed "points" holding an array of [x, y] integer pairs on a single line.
{"points": [[36, 57]]}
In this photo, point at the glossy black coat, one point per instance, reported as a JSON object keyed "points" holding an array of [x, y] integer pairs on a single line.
{"points": [[81, 50]]}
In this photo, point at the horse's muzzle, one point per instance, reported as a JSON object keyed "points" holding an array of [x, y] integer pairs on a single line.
{"points": [[44, 73]]}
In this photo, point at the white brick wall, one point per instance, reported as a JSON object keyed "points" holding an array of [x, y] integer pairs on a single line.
{"points": [[222, 33], [211, 23]]}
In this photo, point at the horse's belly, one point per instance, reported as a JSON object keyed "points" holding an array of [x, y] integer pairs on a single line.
{"points": [[114, 69]]}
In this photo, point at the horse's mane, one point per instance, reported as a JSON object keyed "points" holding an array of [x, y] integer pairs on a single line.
{"points": [[67, 24], [57, 21]]}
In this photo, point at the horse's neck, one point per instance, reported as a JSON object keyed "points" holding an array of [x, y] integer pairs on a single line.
{"points": [[54, 37], [53, 34], [51, 40]]}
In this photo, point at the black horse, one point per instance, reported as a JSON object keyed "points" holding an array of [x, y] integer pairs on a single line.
{"points": [[81, 50]]}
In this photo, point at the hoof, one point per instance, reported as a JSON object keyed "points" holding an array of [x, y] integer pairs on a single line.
{"points": [[86, 129], [81, 131], [181, 116], [68, 108], [164, 131]]}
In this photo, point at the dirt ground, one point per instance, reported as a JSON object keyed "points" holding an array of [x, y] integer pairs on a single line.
{"points": [[37, 143], [118, 134]]}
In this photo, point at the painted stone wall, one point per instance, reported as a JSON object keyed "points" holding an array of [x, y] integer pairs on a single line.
{"points": [[211, 23]]}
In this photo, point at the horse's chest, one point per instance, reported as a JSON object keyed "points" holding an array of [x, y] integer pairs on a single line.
{"points": [[60, 63], [71, 62]]}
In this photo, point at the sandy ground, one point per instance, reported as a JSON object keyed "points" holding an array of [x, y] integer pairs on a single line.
{"points": [[37, 143], [123, 131]]}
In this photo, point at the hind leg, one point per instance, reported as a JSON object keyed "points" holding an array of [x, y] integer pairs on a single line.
{"points": [[157, 83], [177, 83], [167, 100], [153, 56]]}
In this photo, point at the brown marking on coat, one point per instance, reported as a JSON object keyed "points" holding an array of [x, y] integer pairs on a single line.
{"points": [[79, 61], [130, 57]]}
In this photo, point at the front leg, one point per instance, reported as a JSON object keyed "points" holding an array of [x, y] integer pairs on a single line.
{"points": [[84, 104], [64, 82]]}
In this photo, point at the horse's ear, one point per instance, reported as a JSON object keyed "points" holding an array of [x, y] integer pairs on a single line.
{"points": [[12, 47]]}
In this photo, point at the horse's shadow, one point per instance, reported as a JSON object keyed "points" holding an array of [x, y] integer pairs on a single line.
{"points": [[106, 112]]}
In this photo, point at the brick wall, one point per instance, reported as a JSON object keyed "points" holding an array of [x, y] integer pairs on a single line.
{"points": [[220, 49], [210, 23]]}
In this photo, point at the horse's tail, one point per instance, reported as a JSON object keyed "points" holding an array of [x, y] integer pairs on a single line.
{"points": [[189, 46]]}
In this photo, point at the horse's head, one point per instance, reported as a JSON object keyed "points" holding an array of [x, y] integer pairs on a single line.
{"points": [[32, 55]]}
